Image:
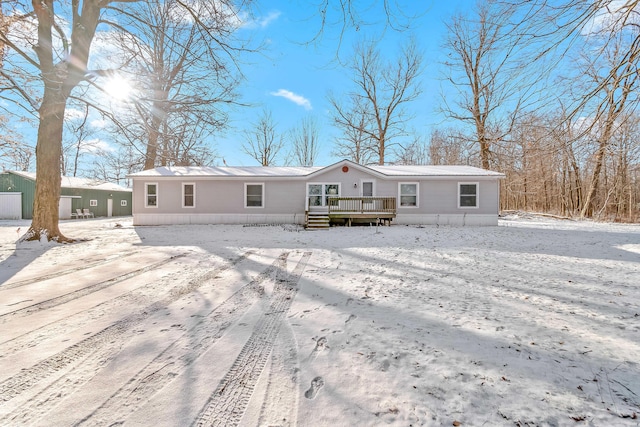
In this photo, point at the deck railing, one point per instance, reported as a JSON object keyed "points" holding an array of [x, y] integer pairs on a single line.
{"points": [[362, 205]]}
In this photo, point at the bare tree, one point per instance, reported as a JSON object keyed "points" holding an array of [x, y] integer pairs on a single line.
{"points": [[43, 63], [173, 60], [559, 27], [263, 142], [13, 150], [59, 65], [485, 73], [376, 105], [76, 140], [305, 142], [355, 15], [415, 152], [114, 166], [615, 80], [354, 143], [448, 147]]}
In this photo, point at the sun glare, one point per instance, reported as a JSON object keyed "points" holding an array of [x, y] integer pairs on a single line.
{"points": [[118, 88]]}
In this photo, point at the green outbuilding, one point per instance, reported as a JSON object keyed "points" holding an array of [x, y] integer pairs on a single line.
{"points": [[101, 199]]}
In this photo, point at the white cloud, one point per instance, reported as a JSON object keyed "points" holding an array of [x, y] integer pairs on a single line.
{"points": [[293, 97], [96, 146], [73, 114], [98, 123], [263, 21], [612, 17]]}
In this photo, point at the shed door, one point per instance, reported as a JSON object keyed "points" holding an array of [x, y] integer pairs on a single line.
{"points": [[10, 205], [64, 207], [109, 207]]}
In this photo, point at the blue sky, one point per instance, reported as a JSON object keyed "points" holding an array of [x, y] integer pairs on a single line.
{"points": [[292, 79]]}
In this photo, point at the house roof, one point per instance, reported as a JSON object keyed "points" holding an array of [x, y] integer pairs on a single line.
{"points": [[75, 182], [433, 170], [228, 171], [302, 171]]}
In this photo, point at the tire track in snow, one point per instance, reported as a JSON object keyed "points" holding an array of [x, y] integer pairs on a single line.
{"points": [[227, 404], [280, 406], [181, 353], [111, 335], [87, 266], [87, 290], [141, 296]]}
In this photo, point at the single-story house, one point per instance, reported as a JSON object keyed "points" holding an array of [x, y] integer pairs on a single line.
{"points": [[17, 192], [344, 192]]}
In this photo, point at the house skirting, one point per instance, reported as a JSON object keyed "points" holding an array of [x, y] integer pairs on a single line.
{"points": [[458, 220], [169, 219], [401, 219]]}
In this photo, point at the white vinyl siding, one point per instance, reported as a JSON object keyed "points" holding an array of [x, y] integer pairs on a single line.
{"points": [[254, 195], [408, 192], [151, 195], [467, 194], [188, 195]]}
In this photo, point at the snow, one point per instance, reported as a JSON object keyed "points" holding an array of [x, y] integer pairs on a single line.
{"points": [[213, 171], [434, 170], [533, 322], [77, 182], [303, 171]]}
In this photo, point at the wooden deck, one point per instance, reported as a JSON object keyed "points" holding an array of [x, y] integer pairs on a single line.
{"points": [[358, 209]]}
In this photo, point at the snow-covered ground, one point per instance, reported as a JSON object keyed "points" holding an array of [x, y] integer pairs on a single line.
{"points": [[533, 322]]}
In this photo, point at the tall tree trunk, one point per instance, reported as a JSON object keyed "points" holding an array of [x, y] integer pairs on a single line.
{"points": [[157, 119], [587, 208], [48, 155], [59, 80], [485, 153]]}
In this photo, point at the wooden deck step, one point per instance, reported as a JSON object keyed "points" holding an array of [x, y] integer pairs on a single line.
{"points": [[318, 222]]}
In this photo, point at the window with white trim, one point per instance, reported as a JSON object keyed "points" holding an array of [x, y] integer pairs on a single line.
{"points": [[408, 194], [318, 193], [151, 195], [367, 188], [123, 203], [467, 194], [93, 203], [188, 195], [253, 195]]}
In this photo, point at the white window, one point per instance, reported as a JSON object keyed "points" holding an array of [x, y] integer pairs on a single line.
{"points": [[367, 188], [151, 195], [253, 195], [318, 194], [188, 195], [408, 194], [123, 203], [93, 203], [467, 194]]}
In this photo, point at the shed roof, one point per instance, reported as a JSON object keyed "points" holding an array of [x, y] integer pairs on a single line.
{"points": [[76, 182]]}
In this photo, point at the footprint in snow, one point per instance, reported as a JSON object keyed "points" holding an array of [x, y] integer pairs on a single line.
{"points": [[316, 384]]}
